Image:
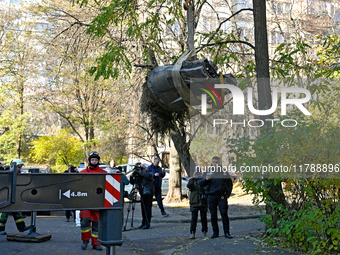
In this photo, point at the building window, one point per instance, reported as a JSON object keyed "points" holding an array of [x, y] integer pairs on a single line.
{"points": [[280, 8], [206, 24], [288, 7], [176, 28], [246, 33], [277, 38], [316, 7], [241, 4]]}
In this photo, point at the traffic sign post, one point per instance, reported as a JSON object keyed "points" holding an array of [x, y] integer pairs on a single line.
{"points": [[73, 191]]}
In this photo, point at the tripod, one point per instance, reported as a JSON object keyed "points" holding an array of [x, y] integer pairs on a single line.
{"points": [[133, 199]]}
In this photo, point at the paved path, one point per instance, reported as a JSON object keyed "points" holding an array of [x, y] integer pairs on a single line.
{"points": [[167, 236]]}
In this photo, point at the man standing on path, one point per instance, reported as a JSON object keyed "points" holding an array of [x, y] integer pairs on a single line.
{"points": [[158, 174], [219, 187]]}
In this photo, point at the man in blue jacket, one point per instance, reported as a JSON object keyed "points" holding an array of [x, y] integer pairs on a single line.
{"points": [[158, 174]]}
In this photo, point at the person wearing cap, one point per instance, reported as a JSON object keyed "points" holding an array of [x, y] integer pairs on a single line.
{"points": [[89, 218], [119, 170], [19, 219]]}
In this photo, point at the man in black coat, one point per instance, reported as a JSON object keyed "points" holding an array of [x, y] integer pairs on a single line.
{"points": [[144, 181], [218, 189]]}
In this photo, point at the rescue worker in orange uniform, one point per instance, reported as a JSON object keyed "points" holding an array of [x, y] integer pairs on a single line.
{"points": [[89, 218]]}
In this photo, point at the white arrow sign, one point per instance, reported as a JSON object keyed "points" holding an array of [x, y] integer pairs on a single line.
{"points": [[67, 193]]}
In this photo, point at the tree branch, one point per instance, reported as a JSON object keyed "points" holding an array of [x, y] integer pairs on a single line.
{"points": [[143, 66], [225, 42], [219, 27]]}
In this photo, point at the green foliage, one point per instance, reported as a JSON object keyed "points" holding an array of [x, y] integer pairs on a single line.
{"points": [[204, 147], [14, 127], [328, 51], [130, 24], [311, 225], [295, 60], [62, 149], [310, 217]]}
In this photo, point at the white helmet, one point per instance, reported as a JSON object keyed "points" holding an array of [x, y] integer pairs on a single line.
{"points": [[18, 161]]}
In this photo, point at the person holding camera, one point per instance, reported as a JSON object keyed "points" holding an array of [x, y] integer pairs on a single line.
{"points": [[144, 181], [158, 173], [218, 189], [198, 203]]}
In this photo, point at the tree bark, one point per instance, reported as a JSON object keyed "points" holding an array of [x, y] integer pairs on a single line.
{"points": [[21, 106], [175, 178], [262, 56], [275, 191], [178, 136]]}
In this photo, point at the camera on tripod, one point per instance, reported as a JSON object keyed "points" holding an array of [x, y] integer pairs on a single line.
{"points": [[134, 196], [134, 193], [137, 169]]}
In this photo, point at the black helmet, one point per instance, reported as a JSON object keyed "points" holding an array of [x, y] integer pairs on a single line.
{"points": [[94, 154]]}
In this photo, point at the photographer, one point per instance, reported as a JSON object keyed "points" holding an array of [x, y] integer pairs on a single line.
{"points": [[144, 182]]}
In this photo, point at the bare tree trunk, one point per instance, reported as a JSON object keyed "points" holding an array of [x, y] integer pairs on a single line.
{"points": [[178, 136], [91, 131], [21, 106], [275, 191], [261, 55], [175, 178]]}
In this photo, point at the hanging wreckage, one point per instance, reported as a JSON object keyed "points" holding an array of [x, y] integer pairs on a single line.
{"points": [[174, 87]]}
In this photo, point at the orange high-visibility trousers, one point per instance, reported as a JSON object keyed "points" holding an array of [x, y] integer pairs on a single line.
{"points": [[89, 226]]}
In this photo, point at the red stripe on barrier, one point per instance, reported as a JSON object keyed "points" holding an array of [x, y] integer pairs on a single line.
{"points": [[107, 204], [109, 188], [117, 177], [116, 194]]}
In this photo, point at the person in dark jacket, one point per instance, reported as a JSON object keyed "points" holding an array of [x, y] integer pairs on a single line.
{"points": [[198, 202], [158, 174], [68, 213], [143, 180], [218, 189]]}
